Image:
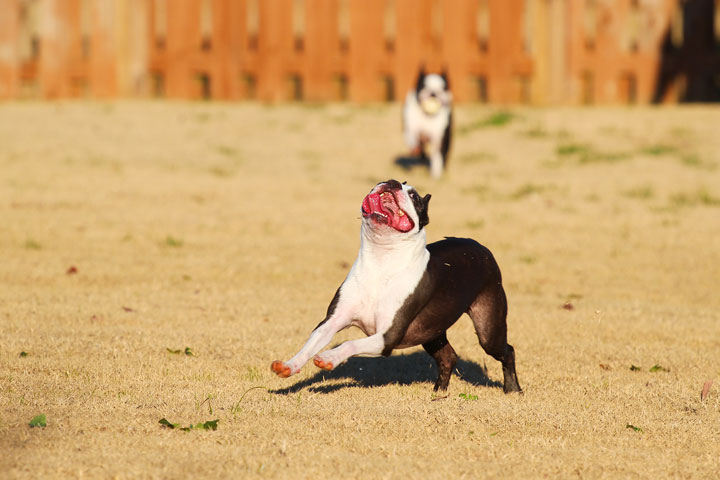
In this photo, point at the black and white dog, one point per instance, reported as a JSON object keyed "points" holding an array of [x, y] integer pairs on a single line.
{"points": [[427, 120], [401, 292]]}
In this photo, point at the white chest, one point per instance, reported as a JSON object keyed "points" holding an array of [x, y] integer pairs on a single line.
{"points": [[374, 292]]}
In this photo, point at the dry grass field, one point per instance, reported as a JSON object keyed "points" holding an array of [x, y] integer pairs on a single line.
{"points": [[134, 230]]}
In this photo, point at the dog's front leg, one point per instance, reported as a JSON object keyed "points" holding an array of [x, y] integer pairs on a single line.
{"points": [[371, 346], [319, 338]]}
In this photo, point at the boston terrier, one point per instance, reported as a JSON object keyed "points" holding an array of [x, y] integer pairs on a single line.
{"points": [[427, 120], [402, 292]]}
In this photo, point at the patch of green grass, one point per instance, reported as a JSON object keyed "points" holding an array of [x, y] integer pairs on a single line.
{"points": [[536, 132], [527, 190], [572, 149], [227, 151], [481, 191], [295, 127], [680, 132], [253, 374], [342, 118], [695, 161], [499, 119], [468, 396], [635, 368], [634, 428], [203, 117], [586, 154], [603, 157], [310, 105], [475, 224], [173, 242], [528, 259], [23, 354], [659, 149], [222, 172], [31, 244], [642, 192], [310, 155], [691, 160], [477, 157], [699, 198], [496, 119]]}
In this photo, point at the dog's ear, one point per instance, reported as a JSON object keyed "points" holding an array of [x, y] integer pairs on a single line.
{"points": [[423, 218], [444, 76], [420, 79]]}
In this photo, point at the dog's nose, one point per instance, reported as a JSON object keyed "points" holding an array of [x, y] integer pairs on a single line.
{"points": [[393, 184]]}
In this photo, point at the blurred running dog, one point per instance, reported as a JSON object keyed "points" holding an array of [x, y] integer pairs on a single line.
{"points": [[427, 120]]}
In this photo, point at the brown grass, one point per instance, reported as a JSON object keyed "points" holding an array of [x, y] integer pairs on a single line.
{"points": [[227, 228]]}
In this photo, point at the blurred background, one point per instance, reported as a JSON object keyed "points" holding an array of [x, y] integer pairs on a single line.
{"points": [[542, 52]]}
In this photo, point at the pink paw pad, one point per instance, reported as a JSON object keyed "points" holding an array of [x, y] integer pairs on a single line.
{"points": [[281, 369], [320, 363]]}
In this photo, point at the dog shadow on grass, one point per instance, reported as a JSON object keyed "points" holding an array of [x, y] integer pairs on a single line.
{"points": [[407, 162], [361, 372]]}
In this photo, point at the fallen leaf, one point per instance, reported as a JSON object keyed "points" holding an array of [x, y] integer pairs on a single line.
{"points": [[128, 309], [165, 423], [72, 270], [568, 306], [38, 421], [209, 425], [605, 366], [705, 390], [633, 368], [188, 351], [659, 368]]}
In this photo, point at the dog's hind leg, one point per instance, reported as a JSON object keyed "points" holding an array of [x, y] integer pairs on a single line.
{"points": [[445, 144], [445, 357], [488, 313]]}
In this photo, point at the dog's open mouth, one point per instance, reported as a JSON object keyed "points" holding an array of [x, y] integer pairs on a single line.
{"points": [[382, 207]]}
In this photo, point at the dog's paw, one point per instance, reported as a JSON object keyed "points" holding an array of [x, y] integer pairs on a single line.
{"points": [[320, 363], [281, 369]]}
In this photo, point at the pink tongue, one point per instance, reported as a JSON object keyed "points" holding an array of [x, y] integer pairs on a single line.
{"points": [[371, 204], [374, 203]]}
